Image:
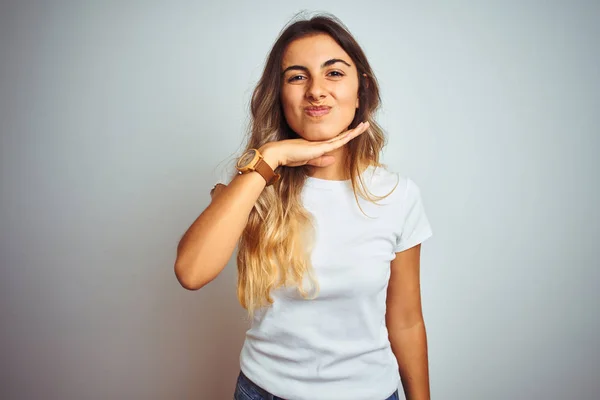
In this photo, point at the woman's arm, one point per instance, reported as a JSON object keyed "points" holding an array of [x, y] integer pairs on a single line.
{"points": [[209, 242], [406, 328]]}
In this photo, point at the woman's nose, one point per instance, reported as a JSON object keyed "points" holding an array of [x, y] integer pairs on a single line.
{"points": [[316, 90]]}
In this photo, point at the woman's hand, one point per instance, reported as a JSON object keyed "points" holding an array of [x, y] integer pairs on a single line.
{"points": [[297, 152]]}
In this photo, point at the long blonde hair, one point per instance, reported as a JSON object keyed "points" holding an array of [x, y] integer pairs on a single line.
{"points": [[275, 246]]}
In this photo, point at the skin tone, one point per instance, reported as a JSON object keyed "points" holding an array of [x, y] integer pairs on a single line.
{"points": [[317, 72]]}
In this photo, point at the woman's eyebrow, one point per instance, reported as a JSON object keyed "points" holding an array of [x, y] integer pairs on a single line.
{"points": [[325, 64]]}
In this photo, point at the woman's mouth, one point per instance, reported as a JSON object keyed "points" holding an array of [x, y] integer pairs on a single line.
{"points": [[317, 111]]}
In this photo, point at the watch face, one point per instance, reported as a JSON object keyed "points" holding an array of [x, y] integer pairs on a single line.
{"points": [[246, 158]]}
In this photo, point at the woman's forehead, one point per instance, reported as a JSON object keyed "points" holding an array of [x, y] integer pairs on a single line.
{"points": [[313, 51]]}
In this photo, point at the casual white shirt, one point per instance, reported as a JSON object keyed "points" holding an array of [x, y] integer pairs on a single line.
{"points": [[336, 346]]}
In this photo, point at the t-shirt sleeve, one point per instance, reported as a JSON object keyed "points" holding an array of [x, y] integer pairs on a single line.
{"points": [[414, 224]]}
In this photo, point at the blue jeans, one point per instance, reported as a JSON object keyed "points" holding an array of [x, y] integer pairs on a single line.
{"points": [[248, 390]]}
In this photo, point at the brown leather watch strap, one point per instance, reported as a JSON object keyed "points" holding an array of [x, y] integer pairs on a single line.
{"points": [[266, 172]]}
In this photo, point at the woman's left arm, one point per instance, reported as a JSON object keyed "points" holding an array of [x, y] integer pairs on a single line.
{"points": [[405, 324]]}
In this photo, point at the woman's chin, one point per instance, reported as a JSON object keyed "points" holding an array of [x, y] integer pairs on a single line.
{"points": [[317, 135]]}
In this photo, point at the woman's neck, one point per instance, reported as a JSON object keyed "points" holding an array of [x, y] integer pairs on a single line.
{"points": [[334, 172]]}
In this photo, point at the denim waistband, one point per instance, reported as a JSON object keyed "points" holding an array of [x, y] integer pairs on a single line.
{"points": [[247, 382], [265, 394]]}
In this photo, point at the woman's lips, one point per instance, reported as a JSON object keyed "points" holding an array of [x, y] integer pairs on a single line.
{"points": [[317, 111]]}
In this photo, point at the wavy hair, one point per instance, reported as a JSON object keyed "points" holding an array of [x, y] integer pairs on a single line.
{"points": [[275, 247]]}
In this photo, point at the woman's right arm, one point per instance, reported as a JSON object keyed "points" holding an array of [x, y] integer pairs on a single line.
{"points": [[208, 244]]}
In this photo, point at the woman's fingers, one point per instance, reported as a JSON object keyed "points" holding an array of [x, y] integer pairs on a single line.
{"points": [[346, 137], [352, 133], [360, 128]]}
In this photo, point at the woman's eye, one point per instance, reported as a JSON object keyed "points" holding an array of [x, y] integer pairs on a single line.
{"points": [[295, 78], [336, 73]]}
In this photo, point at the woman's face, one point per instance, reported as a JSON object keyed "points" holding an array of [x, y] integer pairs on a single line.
{"points": [[319, 90]]}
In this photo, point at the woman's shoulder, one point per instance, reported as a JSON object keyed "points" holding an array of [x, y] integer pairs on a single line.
{"points": [[383, 179]]}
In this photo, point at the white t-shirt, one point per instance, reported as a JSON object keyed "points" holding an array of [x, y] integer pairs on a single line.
{"points": [[336, 346]]}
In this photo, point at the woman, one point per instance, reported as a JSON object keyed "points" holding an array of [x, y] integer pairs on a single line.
{"points": [[329, 239]]}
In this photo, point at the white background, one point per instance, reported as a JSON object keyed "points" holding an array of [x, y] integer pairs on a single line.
{"points": [[116, 119]]}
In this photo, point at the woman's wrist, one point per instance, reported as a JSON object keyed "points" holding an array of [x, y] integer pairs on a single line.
{"points": [[270, 156]]}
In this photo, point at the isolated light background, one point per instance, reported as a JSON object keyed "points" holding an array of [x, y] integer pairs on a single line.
{"points": [[116, 119]]}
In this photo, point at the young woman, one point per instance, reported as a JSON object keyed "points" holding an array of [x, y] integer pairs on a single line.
{"points": [[328, 238]]}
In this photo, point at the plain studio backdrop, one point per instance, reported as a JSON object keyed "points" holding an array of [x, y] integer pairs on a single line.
{"points": [[118, 117]]}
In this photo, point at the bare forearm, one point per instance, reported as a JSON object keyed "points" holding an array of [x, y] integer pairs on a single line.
{"points": [[209, 242], [410, 348]]}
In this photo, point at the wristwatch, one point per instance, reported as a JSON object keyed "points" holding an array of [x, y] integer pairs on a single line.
{"points": [[252, 160]]}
